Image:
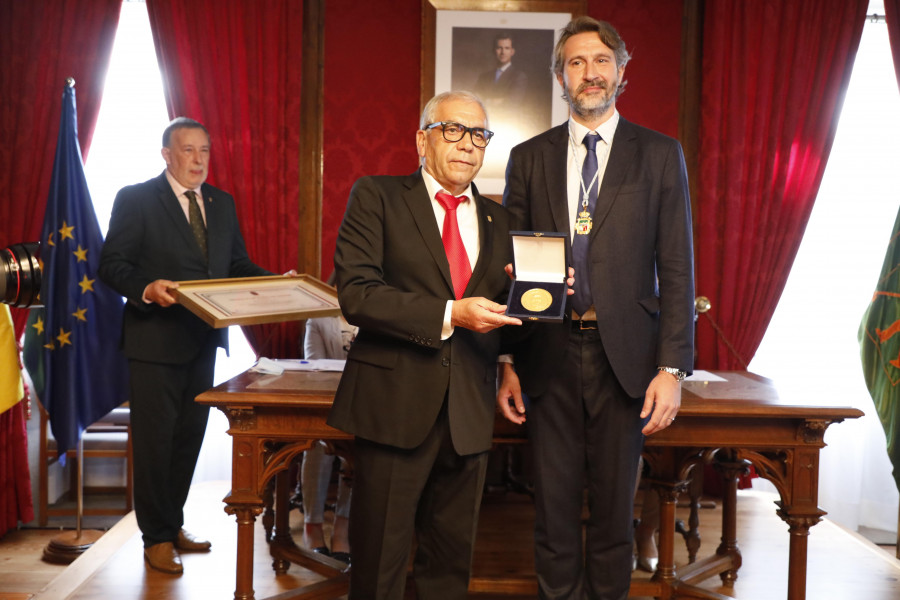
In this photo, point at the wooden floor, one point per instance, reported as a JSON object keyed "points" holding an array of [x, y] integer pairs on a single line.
{"points": [[842, 564]]}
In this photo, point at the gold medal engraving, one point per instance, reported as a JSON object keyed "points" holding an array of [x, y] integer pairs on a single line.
{"points": [[583, 223], [537, 299]]}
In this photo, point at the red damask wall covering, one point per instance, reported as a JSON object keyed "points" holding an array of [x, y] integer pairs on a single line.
{"points": [[372, 87]]}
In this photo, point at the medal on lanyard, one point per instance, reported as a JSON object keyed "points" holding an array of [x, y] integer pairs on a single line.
{"points": [[583, 221]]}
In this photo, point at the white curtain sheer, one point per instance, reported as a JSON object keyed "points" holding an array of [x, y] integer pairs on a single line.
{"points": [[134, 87], [811, 346]]}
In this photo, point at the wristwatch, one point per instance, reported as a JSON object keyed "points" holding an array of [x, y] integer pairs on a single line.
{"points": [[677, 373]]}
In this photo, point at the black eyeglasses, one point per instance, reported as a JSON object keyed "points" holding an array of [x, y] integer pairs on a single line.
{"points": [[453, 132]]}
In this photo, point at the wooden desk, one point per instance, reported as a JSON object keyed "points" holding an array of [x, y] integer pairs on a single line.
{"points": [[742, 420]]}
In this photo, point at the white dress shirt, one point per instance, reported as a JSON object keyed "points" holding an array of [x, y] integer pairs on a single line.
{"points": [[467, 217], [576, 155], [183, 200]]}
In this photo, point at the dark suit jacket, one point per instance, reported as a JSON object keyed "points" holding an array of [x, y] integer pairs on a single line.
{"points": [[149, 238], [513, 84], [394, 282], [640, 247]]}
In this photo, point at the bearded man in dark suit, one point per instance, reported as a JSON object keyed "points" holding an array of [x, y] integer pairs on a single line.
{"points": [[610, 373], [418, 388], [174, 227]]}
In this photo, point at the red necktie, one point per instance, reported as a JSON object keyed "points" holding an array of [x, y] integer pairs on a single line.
{"points": [[460, 269]]}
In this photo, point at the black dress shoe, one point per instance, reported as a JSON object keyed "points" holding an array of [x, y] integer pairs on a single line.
{"points": [[344, 557], [322, 550]]}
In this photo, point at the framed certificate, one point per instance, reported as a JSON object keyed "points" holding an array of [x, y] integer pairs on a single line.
{"points": [[257, 300]]}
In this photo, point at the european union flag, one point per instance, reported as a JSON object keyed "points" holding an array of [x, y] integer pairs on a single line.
{"points": [[72, 344]]}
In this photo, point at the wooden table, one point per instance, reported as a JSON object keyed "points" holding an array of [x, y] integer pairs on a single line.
{"points": [[741, 420]]}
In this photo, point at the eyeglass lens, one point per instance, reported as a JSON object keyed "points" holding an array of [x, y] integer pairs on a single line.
{"points": [[453, 132]]}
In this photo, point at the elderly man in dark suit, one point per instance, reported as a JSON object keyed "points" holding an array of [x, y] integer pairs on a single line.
{"points": [[422, 277], [611, 373], [174, 227]]}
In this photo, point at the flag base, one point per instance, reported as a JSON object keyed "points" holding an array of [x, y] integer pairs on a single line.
{"points": [[69, 545]]}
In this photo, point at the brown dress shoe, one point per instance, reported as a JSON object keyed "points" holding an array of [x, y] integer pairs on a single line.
{"points": [[187, 542], [163, 557]]}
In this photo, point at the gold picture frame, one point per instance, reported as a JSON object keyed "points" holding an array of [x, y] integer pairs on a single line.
{"points": [[257, 300], [456, 47]]}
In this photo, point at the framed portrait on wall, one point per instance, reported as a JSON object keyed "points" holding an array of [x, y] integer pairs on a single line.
{"points": [[506, 58]]}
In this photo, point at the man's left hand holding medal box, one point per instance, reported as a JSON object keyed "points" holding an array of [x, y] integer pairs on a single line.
{"points": [[538, 291]]}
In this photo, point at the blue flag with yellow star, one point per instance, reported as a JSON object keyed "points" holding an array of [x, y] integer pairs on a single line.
{"points": [[72, 343]]}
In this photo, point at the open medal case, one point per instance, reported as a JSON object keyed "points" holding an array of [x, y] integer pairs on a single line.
{"points": [[538, 291]]}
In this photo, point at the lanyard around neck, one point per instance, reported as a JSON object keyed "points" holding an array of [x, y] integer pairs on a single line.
{"points": [[580, 165]]}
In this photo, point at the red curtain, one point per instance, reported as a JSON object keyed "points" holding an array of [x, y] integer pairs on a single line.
{"points": [[892, 16], [235, 67], [41, 44], [774, 77]]}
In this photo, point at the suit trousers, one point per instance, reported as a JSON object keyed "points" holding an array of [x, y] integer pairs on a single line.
{"points": [[585, 431], [429, 490], [167, 428]]}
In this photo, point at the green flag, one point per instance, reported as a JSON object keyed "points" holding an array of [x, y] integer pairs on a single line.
{"points": [[879, 344]]}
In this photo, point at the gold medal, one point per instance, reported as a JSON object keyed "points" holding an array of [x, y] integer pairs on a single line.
{"points": [[537, 299]]}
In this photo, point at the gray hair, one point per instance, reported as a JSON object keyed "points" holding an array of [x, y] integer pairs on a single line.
{"points": [[432, 105], [181, 123]]}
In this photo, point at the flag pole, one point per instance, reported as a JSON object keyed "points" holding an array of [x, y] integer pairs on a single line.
{"points": [[79, 483], [69, 545]]}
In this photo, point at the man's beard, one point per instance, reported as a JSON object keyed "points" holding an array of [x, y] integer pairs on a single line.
{"points": [[588, 107]]}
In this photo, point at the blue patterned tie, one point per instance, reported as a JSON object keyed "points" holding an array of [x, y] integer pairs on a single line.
{"points": [[581, 300]]}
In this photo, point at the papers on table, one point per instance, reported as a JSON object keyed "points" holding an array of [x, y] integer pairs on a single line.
{"points": [[704, 376], [276, 366]]}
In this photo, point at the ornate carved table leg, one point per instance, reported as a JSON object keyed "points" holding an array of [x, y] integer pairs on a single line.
{"points": [[282, 527], [668, 497], [795, 473], [731, 469], [799, 506], [692, 533], [246, 517], [799, 528]]}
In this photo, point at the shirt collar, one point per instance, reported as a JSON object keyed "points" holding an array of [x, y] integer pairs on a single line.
{"points": [[178, 188], [607, 129], [434, 187]]}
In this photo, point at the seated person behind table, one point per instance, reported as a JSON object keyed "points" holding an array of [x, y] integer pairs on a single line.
{"points": [[326, 337]]}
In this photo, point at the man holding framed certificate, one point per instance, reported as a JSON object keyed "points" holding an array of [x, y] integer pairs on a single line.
{"points": [[170, 228]]}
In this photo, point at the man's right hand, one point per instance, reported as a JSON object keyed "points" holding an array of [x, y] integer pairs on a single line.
{"points": [[480, 314], [510, 389], [158, 292]]}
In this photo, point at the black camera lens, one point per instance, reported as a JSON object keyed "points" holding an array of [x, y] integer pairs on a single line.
{"points": [[20, 275]]}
